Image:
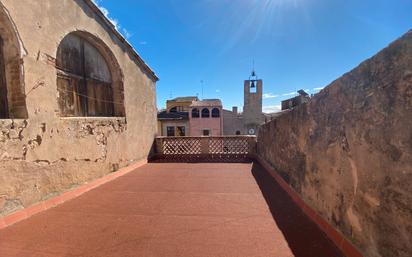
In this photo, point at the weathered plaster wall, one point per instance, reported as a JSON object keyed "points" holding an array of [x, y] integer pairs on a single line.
{"points": [[348, 152], [46, 154], [232, 122]]}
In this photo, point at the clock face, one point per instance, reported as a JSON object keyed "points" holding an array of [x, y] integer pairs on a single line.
{"points": [[251, 131]]}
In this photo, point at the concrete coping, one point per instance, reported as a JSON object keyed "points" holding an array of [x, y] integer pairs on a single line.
{"points": [[211, 137], [94, 118], [11, 120]]}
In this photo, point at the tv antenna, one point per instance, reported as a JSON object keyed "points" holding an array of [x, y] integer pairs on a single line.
{"points": [[202, 84]]}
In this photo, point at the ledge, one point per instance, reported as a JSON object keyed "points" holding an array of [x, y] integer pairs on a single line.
{"points": [[12, 120], [88, 119], [10, 123], [100, 120]]}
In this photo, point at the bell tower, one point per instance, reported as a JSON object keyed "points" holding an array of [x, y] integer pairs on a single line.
{"points": [[253, 104]]}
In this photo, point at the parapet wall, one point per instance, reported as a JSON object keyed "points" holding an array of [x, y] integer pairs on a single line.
{"points": [[348, 152]]}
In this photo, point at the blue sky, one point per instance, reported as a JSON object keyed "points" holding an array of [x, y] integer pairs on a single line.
{"points": [[295, 44]]}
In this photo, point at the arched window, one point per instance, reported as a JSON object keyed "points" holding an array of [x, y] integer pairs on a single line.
{"points": [[12, 95], [215, 113], [174, 109], [195, 113], [89, 80], [205, 113]]}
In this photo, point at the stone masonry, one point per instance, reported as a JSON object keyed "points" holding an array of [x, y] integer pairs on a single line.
{"points": [[348, 152]]}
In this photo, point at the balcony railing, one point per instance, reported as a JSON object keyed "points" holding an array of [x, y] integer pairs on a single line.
{"points": [[214, 149]]}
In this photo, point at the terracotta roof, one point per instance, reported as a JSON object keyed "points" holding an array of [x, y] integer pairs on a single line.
{"points": [[119, 36], [164, 115], [207, 103]]}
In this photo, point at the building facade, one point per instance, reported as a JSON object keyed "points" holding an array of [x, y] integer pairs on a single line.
{"points": [[180, 104], [189, 116], [174, 121], [173, 124], [76, 101], [206, 118]]}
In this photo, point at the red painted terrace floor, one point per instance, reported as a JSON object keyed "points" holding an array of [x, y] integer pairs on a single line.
{"points": [[194, 210]]}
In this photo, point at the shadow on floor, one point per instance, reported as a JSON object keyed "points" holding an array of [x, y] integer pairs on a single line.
{"points": [[304, 237]]}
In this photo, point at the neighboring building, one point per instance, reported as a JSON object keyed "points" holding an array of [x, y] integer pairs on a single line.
{"points": [[180, 104], [233, 122], [188, 116], [76, 101], [173, 124], [272, 116], [291, 103], [248, 122], [174, 121], [206, 118]]}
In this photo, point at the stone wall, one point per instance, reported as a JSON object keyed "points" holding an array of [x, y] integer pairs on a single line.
{"points": [[45, 154], [348, 152], [232, 122]]}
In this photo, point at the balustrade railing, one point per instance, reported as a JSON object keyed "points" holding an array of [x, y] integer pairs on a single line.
{"points": [[222, 148]]}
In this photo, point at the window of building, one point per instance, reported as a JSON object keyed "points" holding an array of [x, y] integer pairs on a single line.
{"points": [[206, 132], [238, 133], [174, 109], [180, 131], [170, 131], [205, 113], [215, 113], [195, 113], [88, 84]]}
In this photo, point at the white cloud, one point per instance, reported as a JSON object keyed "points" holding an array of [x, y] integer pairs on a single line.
{"points": [[269, 96], [272, 108], [114, 21], [126, 33], [217, 90], [289, 94], [317, 88]]}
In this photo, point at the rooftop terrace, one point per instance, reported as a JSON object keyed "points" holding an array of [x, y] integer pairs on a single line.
{"points": [[164, 209]]}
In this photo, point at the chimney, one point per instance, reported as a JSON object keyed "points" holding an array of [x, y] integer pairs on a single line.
{"points": [[234, 110]]}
